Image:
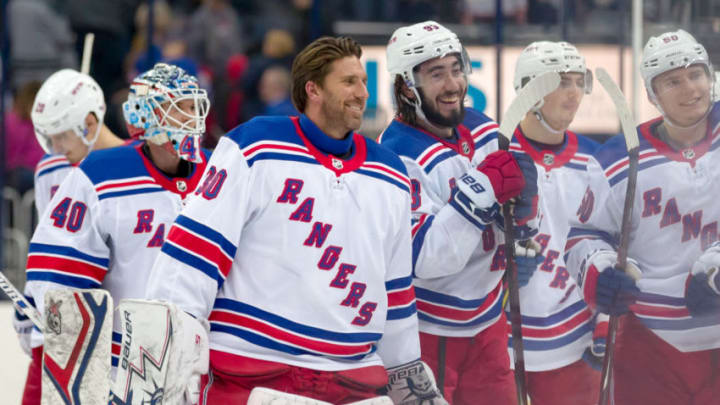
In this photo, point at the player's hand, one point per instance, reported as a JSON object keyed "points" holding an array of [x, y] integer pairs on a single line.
{"points": [[702, 291], [527, 260], [23, 327], [525, 205], [606, 288], [595, 353]]}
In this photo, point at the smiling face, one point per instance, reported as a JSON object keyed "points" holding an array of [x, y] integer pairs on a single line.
{"points": [[561, 105], [442, 85], [684, 93], [343, 95]]}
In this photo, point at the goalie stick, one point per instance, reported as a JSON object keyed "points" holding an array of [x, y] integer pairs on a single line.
{"points": [[632, 143], [531, 94], [21, 303]]}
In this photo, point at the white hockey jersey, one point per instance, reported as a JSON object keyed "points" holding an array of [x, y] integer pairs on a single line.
{"points": [[50, 171], [557, 324], [457, 267], [104, 227], [296, 256], [675, 217]]}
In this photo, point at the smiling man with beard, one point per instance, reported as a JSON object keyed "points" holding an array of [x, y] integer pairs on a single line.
{"points": [[458, 180]]}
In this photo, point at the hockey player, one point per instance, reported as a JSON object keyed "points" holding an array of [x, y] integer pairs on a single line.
{"points": [[458, 178], [297, 249], [108, 219], [67, 116], [667, 349], [557, 324]]}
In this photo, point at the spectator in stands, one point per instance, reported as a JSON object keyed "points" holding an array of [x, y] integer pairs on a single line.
{"points": [[473, 11], [274, 90], [41, 41], [22, 151]]}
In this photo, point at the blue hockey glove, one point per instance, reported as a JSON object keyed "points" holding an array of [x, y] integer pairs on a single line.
{"points": [[527, 260], [606, 288], [702, 292], [595, 353], [525, 205]]}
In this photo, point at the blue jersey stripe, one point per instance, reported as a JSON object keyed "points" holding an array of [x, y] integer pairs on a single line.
{"points": [[281, 156], [545, 344], [51, 169], [69, 252], [388, 179], [203, 230], [556, 318], [63, 279], [135, 191], [398, 283], [486, 316], [400, 313], [193, 261]]}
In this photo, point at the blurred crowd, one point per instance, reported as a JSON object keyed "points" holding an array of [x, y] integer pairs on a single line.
{"points": [[239, 49]]}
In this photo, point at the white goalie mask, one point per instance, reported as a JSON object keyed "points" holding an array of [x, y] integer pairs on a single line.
{"points": [[668, 51], [63, 103], [413, 45], [166, 106]]}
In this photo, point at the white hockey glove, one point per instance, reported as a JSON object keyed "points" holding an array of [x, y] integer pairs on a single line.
{"points": [[606, 288], [413, 384], [702, 291], [23, 327]]}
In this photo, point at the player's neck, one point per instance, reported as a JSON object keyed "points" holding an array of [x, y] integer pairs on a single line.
{"points": [[107, 139], [682, 138], [167, 162], [441, 132], [534, 130]]}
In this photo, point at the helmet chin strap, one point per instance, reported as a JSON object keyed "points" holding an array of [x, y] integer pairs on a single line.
{"points": [[539, 116]]}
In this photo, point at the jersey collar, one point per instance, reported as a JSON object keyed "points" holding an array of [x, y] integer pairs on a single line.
{"points": [[463, 145], [689, 155], [178, 185], [547, 158], [322, 147]]}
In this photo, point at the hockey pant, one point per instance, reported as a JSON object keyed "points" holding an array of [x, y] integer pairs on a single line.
{"points": [[476, 370], [33, 382], [574, 384], [232, 377], [648, 370]]}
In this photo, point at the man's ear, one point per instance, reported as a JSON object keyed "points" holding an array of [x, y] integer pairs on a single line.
{"points": [[409, 94], [312, 89], [91, 123]]}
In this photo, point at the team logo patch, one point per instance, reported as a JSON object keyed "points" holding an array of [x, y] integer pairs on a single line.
{"points": [[336, 163], [181, 185], [53, 317], [548, 158], [688, 153]]}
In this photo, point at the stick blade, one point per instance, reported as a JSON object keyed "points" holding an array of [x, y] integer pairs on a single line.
{"points": [[532, 93], [621, 107]]}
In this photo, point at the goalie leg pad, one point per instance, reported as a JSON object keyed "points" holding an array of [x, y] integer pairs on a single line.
{"points": [[163, 354], [413, 384], [76, 358]]}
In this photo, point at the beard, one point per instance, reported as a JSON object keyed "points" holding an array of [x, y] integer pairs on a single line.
{"points": [[432, 115]]}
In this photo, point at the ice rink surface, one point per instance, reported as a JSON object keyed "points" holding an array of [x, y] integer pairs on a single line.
{"points": [[14, 360]]}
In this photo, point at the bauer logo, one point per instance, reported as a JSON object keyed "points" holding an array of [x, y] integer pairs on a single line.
{"points": [[127, 339]]}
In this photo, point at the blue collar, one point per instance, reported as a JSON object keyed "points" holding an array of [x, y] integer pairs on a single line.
{"points": [[323, 142]]}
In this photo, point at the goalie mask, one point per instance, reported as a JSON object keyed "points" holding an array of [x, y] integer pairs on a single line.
{"points": [[411, 46], [62, 104], [167, 107]]}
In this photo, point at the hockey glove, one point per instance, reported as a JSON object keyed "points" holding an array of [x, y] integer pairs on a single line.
{"points": [[525, 205], [606, 288], [527, 260], [480, 191], [595, 353], [413, 384], [23, 327], [702, 291]]}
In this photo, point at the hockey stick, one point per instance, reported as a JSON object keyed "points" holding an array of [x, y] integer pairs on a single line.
{"points": [[21, 303], [87, 53], [531, 94], [632, 143]]}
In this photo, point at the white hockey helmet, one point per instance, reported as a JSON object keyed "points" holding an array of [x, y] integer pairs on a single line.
{"points": [[412, 45], [545, 56], [153, 96], [62, 104], [668, 51]]}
